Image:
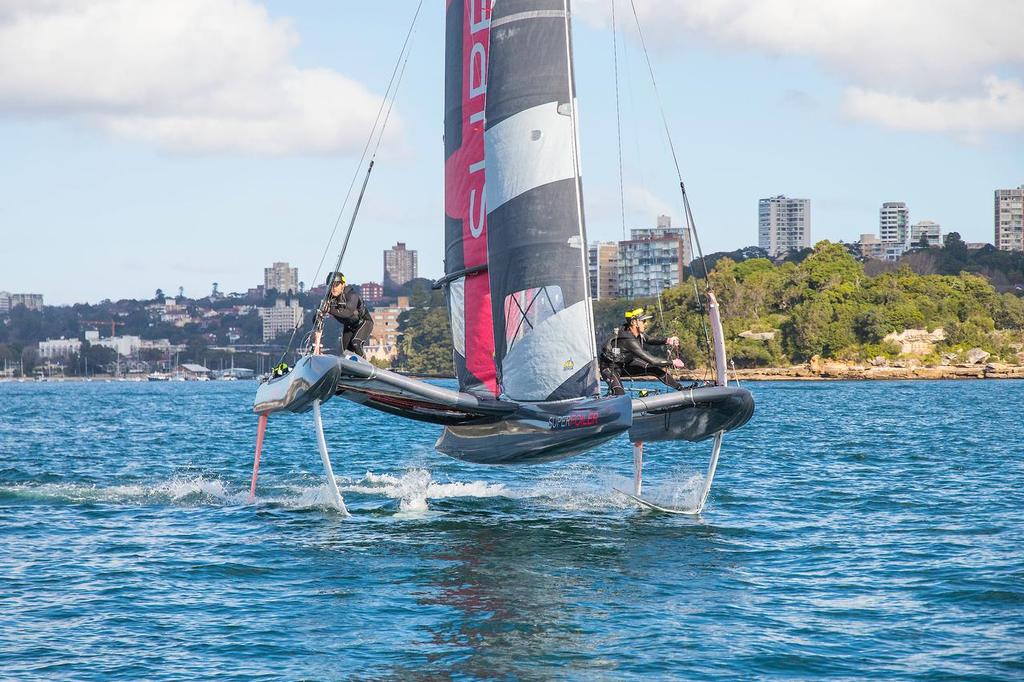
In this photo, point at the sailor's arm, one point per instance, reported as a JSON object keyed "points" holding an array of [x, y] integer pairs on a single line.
{"points": [[343, 311], [644, 358], [658, 341]]}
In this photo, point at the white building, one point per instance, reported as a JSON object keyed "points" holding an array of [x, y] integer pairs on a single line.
{"points": [[282, 277], [652, 260], [783, 225], [51, 349], [161, 345], [280, 319], [1009, 217], [894, 223], [125, 346], [893, 251], [931, 231]]}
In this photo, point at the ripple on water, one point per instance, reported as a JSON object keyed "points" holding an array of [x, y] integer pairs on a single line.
{"points": [[855, 530]]}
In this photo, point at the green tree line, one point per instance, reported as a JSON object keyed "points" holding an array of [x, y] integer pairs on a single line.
{"points": [[820, 302]]}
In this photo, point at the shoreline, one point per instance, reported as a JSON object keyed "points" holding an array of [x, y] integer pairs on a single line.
{"points": [[812, 371], [838, 371]]}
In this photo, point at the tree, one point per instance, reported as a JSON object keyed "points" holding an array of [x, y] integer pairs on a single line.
{"points": [[424, 342], [29, 359], [98, 356], [954, 254]]}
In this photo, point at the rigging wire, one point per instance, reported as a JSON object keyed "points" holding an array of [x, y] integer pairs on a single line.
{"points": [[373, 131], [318, 324], [377, 129], [618, 121], [691, 227], [632, 115]]}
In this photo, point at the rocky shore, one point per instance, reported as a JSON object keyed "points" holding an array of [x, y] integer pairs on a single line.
{"points": [[818, 369]]}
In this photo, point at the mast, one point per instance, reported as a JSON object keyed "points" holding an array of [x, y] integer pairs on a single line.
{"points": [[467, 37], [537, 245]]}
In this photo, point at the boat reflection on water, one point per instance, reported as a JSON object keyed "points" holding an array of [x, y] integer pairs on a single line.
{"points": [[523, 596]]}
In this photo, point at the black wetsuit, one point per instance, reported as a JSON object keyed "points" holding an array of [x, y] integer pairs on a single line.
{"points": [[355, 319], [624, 355]]}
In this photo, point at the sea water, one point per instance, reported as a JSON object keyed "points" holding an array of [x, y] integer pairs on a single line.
{"points": [[854, 530]]}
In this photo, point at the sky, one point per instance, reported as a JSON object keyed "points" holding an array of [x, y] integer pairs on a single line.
{"points": [[152, 145]]}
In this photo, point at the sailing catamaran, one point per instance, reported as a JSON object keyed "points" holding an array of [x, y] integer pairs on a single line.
{"points": [[516, 276]]}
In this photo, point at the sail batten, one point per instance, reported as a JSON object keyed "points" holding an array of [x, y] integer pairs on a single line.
{"points": [[541, 309]]}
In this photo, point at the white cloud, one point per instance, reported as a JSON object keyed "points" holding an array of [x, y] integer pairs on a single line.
{"points": [[189, 75], [1000, 108], [641, 202], [942, 55]]}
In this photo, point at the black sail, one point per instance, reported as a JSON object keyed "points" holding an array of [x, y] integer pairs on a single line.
{"points": [[536, 244]]}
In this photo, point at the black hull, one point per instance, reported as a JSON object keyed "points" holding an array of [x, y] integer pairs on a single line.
{"points": [[313, 378], [540, 432], [504, 432], [691, 415]]}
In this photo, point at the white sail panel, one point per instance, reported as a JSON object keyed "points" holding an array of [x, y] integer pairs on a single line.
{"points": [[527, 150], [550, 355]]}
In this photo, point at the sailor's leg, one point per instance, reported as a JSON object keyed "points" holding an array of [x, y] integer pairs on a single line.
{"points": [[666, 378], [638, 467], [361, 336], [346, 340], [261, 429], [332, 485], [611, 377]]}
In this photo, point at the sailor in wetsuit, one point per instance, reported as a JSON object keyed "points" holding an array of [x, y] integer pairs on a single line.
{"points": [[345, 305], [624, 354]]}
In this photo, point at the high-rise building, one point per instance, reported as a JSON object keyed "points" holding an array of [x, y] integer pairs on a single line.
{"points": [[894, 223], [9, 301], [927, 229], [652, 260], [1009, 215], [282, 277], [283, 317], [783, 225], [603, 267], [399, 265]]}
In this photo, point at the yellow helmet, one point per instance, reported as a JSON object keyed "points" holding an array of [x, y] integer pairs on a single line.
{"points": [[636, 314]]}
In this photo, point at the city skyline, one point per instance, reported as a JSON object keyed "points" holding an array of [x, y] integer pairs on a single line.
{"points": [[887, 222], [153, 174]]}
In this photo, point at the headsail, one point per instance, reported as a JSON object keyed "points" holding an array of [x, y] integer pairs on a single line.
{"points": [[465, 258], [536, 241]]}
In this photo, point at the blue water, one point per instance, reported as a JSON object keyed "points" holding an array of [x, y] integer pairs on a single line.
{"points": [[855, 530]]}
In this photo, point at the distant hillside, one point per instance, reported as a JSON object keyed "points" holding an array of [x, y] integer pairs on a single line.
{"points": [[827, 305], [821, 302]]}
